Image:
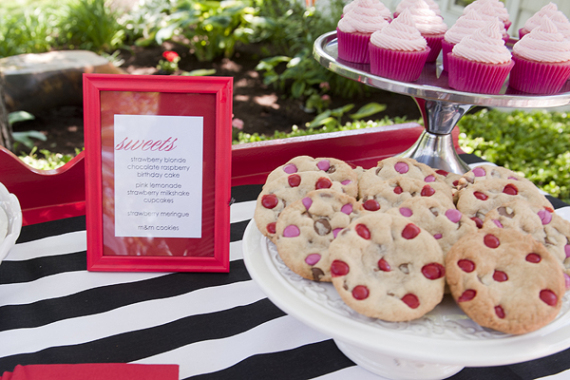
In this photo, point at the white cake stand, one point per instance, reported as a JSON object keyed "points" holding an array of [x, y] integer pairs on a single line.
{"points": [[441, 106], [435, 346]]}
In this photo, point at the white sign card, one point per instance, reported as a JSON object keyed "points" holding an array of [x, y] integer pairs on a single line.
{"points": [[158, 176]]}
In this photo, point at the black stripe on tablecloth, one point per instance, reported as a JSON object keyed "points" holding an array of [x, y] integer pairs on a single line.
{"points": [[471, 158], [135, 345], [52, 228], [29, 270], [102, 299], [301, 363], [246, 192]]}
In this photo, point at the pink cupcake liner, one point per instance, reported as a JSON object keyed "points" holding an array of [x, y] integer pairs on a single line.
{"points": [[446, 47], [353, 47], [434, 42], [508, 24], [471, 76], [405, 66], [522, 32], [538, 77]]}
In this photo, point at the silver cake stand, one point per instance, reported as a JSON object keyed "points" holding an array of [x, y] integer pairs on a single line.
{"points": [[440, 105]]}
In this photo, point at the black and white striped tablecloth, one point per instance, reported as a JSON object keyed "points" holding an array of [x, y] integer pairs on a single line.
{"points": [[214, 326]]}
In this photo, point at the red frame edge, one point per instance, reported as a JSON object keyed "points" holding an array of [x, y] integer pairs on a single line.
{"points": [[222, 87]]}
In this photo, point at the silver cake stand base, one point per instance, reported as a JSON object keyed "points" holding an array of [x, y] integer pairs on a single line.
{"points": [[441, 106]]}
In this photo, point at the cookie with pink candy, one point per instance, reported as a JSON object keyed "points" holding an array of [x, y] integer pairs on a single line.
{"points": [[505, 280], [487, 172], [306, 228], [377, 271]]}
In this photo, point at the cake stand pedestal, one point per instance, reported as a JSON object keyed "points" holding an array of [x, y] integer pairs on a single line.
{"points": [[441, 106]]}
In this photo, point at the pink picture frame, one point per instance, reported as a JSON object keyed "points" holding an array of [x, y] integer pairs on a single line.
{"points": [[207, 99]]}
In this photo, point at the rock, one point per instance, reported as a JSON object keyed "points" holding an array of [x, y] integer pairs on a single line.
{"points": [[36, 82]]}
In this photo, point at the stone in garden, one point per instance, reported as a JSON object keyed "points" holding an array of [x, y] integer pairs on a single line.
{"points": [[36, 82]]}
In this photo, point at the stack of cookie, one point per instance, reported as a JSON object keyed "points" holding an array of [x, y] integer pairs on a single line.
{"points": [[393, 237]]}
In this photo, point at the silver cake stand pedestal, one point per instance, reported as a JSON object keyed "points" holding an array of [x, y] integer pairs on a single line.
{"points": [[440, 105]]}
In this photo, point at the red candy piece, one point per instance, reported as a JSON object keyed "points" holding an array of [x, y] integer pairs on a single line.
{"points": [[491, 241], [442, 172], [323, 183], [362, 231], [410, 231], [433, 271], [500, 276], [548, 297], [466, 265], [271, 227], [384, 266], [371, 205], [479, 195], [533, 258], [269, 201], [511, 189], [467, 295], [360, 292], [339, 268], [398, 190], [411, 300], [478, 222], [294, 180], [499, 312], [427, 191]]}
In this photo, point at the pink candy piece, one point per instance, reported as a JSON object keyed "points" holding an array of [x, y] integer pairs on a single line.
{"points": [[290, 169], [307, 202], [324, 165], [313, 258], [438, 236], [567, 250], [479, 172], [347, 209], [545, 216], [567, 281], [515, 178], [346, 182], [291, 231], [498, 223], [401, 167], [406, 212], [429, 178], [336, 231], [453, 215]]}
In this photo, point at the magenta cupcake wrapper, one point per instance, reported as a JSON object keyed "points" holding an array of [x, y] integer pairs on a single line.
{"points": [[471, 76], [538, 77], [446, 47], [434, 42], [405, 66], [522, 33], [353, 47]]}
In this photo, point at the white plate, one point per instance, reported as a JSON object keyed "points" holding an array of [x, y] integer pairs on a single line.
{"points": [[11, 206], [433, 347]]}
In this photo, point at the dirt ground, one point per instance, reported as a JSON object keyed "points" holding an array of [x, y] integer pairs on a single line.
{"points": [[263, 109]]}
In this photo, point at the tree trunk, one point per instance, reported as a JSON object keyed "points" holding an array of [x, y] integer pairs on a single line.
{"points": [[5, 128]]}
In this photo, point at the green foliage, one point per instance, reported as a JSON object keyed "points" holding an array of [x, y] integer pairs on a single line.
{"points": [[535, 144], [24, 138], [49, 160]]}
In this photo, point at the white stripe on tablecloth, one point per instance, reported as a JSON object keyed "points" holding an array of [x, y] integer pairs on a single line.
{"points": [[280, 334], [54, 245], [559, 376], [354, 372], [242, 211], [133, 317]]}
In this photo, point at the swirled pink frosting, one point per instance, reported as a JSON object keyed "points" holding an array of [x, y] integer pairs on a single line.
{"points": [[562, 23], [497, 6], [364, 17], [426, 20], [548, 10], [401, 34], [464, 26], [386, 14], [403, 4], [485, 45], [544, 44]]}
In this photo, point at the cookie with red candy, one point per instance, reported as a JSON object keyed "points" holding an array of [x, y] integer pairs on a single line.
{"points": [[505, 280], [336, 169], [487, 172], [387, 194], [452, 179], [285, 190], [306, 228], [379, 272]]}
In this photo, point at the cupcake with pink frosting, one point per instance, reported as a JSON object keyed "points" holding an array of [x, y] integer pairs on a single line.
{"points": [[480, 62], [551, 11], [430, 25], [384, 11], [542, 60], [355, 28], [403, 4], [398, 51], [498, 10], [464, 26], [487, 11]]}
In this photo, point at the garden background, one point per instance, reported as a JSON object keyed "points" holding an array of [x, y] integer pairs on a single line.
{"points": [[280, 91]]}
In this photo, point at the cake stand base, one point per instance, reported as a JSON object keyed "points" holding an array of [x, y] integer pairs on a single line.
{"points": [[395, 368]]}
